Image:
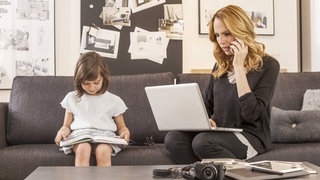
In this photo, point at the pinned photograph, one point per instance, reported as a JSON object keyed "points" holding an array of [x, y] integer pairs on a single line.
{"points": [[172, 23], [139, 5], [148, 45], [116, 12], [104, 41]]}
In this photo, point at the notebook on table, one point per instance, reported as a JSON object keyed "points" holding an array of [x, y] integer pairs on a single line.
{"points": [[180, 107]]}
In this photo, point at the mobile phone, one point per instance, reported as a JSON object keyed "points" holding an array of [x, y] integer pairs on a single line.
{"points": [[231, 50]]}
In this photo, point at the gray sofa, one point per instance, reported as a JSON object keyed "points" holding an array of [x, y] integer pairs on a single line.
{"points": [[29, 122], [288, 95]]}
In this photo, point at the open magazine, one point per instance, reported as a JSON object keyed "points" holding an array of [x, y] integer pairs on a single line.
{"points": [[91, 135]]}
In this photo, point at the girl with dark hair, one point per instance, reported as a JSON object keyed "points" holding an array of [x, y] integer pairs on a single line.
{"points": [[91, 108]]}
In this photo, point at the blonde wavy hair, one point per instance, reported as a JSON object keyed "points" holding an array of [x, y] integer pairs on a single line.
{"points": [[240, 26]]}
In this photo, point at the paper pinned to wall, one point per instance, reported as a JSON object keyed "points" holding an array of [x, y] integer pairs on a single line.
{"points": [[139, 5], [103, 41], [148, 45]]}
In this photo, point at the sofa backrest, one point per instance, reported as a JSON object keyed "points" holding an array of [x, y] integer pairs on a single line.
{"points": [[35, 114], [139, 117], [291, 87], [34, 111], [201, 79], [289, 90]]}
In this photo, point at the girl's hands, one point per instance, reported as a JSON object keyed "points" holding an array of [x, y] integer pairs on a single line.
{"points": [[240, 51], [125, 134], [62, 133], [123, 131]]}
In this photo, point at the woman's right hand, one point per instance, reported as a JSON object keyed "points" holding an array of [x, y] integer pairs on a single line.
{"points": [[212, 123], [240, 51], [62, 133]]}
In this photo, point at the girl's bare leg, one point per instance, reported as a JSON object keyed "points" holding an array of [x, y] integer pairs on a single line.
{"points": [[83, 153], [103, 154]]}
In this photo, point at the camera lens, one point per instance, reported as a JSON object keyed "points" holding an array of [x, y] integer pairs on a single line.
{"points": [[209, 172]]}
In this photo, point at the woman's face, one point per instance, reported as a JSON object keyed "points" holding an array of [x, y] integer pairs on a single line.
{"points": [[223, 36]]}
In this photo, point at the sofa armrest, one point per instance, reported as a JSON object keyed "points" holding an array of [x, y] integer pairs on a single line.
{"points": [[3, 124]]}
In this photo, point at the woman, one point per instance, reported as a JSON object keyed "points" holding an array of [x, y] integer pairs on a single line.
{"points": [[238, 95]]}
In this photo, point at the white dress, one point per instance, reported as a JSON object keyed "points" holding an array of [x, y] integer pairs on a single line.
{"points": [[94, 112]]}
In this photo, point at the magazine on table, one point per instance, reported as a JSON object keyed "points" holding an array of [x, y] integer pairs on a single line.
{"points": [[91, 135]]}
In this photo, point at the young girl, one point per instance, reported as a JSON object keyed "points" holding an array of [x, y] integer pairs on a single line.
{"points": [[92, 108]]}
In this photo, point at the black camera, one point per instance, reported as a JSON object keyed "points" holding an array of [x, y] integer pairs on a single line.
{"points": [[209, 171], [197, 170]]}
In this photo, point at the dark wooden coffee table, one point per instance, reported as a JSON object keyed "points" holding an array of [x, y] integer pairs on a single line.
{"points": [[115, 172]]}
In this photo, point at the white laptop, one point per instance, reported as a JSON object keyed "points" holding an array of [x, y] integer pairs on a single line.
{"points": [[180, 107]]}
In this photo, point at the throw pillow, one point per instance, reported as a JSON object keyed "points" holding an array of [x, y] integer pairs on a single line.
{"points": [[311, 100], [294, 126]]}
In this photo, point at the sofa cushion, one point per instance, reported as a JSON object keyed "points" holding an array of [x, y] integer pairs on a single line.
{"points": [[201, 79], [296, 152], [294, 126], [311, 99]]}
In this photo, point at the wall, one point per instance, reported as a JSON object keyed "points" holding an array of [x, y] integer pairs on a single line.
{"points": [[197, 49], [310, 19], [146, 19]]}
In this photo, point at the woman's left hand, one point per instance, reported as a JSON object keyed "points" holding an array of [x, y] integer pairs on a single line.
{"points": [[212, 123], [240, 50]]}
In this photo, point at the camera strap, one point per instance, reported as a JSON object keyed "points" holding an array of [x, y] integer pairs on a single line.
{"points": [[164, 173], [187, 172]]}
